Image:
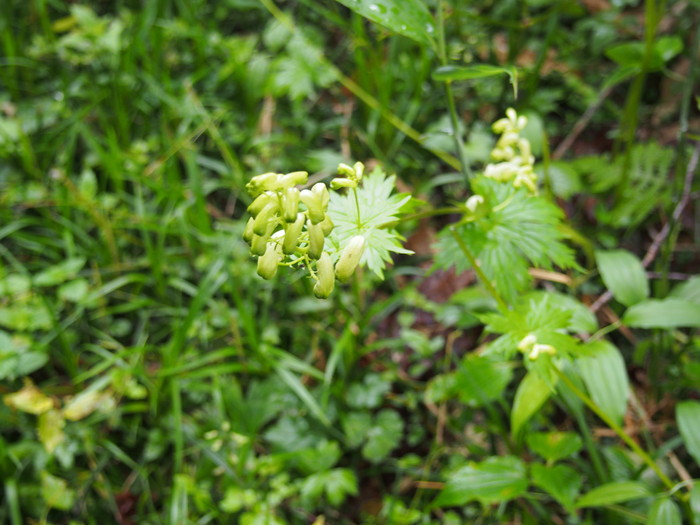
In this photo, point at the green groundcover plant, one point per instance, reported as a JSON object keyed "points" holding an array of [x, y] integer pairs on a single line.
{"points": [[468, 327]]}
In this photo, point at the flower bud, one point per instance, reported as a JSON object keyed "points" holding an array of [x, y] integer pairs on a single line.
{"points": [[292, 232], [291, 204], [474, 203], [264, 218], [259, 243], [248, 232], [293, 179], [316, 240], [538, 349], [261, 183], [326, 276], [260, 202], [267, 263], [336, 184], [319, 189], [327, 225], [350, 258], [313, 203], [359, 170], [527, 342], [345, 170]]}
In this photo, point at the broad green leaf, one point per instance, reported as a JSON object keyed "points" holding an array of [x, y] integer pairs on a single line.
{"points": [[340, 483], [55, 492], [554, 446], [498, 479], [337, 485], [480, 379], [384, 436], [532, 392], [60, 273], [369, 393], [615, 492], [451, 73], [688, 418], [668, 47], [688, 291], [624, 275], [663, 313], [664, 511], [563, 179], [560, 481], [356, 425], [50, 429], [409, 18], [605, 376], [621, 74], [74, 291], [695, 502], [321, 457], [627, 53]]}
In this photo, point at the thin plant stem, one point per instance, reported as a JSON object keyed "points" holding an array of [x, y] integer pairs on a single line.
{"points": [[357, 207], [479, 272], [451, 106], [616, 428]]}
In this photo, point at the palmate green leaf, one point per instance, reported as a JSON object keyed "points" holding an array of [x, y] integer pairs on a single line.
{"points": [[481, 379], [301, 70], [384, 436], [379, 209], [536, 314], [520, 230]]}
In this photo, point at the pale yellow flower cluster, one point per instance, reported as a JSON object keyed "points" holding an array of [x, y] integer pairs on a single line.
{"points": [[514, 160]]}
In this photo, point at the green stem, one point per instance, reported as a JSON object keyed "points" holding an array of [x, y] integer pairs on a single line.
{"points": [[590, 446], [479, 272], [12, 499], [605, 330], [451, 106], [616, 428], [357, 207]]}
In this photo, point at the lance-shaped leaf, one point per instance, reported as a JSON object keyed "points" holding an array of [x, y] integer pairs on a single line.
{"points": [[409, 18], [605, 376], [624, 275], [688, 417]]}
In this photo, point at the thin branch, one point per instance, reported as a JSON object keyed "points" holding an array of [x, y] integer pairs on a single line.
{"points": [[578, 128]]}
